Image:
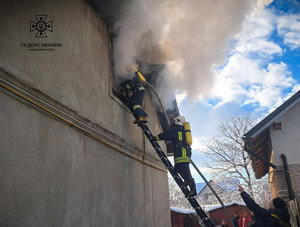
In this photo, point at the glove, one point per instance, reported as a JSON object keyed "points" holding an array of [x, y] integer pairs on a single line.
{"points": [[156, 138], [122, 90]]}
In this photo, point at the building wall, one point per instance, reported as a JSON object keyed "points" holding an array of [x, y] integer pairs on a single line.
{"points": [[286, 141], [183, 219], [220, 214], [70, 154]]}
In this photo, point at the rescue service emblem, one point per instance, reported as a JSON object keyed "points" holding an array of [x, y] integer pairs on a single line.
{"points": [[41, 26]]}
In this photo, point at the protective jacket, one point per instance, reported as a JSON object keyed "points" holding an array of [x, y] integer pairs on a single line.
{"points": [[133, 85], [267, 218], [138, 93], [182, 151]]}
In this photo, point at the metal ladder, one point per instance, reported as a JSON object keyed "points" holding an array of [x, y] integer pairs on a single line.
{"points": [[207, 222]]}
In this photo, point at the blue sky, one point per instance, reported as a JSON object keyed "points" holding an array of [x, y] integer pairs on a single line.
{"points": [[261, 71]]}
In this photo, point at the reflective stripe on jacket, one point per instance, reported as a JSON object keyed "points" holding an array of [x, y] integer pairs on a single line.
{"points": [[268, 218], [182, 151], [133, 85]]}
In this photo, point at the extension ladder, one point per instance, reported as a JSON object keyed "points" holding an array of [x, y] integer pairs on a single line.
{"points": [[175, 175]]}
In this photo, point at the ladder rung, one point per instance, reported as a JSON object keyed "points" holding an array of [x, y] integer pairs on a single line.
{"points": [[169, 166]]}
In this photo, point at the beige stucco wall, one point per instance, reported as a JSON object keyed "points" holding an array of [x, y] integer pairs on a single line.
{"points": [[75, 74], [56, 175]]}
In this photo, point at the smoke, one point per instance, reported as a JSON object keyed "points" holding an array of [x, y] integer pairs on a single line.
{"points": [[190, 37]]}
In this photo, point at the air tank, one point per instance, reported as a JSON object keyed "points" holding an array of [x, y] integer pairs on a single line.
{"points": [[188, 133]]}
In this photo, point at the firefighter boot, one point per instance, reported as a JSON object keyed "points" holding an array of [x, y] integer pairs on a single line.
{"points": [[142, 119], [192, 189], [185, 183]]}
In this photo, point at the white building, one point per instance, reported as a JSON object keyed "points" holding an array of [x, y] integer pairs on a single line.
{"points": [[276, 140]]}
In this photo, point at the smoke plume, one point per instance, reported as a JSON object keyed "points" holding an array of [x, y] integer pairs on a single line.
{"points": [[189, 37]]}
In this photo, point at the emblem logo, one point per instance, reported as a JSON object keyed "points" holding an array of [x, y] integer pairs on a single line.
{"points": [[41, 26]]}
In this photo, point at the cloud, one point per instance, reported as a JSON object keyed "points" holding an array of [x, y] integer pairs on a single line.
{"points": [[198, 143], [180, 97], [259, 25], [250, 76], [250, 81], [289, 28], [260, 46]]}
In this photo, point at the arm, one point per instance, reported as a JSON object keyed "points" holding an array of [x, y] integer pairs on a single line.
{"points": [[252, 205], [125, 86], [168, 135]]}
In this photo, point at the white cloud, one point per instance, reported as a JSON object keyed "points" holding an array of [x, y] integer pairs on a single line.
{"points": [[239, 71], [267, 97], [278, 75], [257, 30], [250, 77], [289, 28], [244, 79], [260, 46], [198, 143], [180, 97], [258, 26]]}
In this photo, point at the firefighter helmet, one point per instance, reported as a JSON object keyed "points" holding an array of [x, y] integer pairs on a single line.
{"points": [[179, 120]]}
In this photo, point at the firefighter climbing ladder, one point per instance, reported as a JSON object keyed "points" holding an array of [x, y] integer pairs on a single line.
{"points": [[175, 175], [206, 221]]}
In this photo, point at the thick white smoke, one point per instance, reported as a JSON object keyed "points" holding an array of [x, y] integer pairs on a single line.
{"points": [[190, 37]]}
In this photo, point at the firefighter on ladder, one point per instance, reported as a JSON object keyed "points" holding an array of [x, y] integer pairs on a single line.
{"points": [[182, 151], [135, 92]]}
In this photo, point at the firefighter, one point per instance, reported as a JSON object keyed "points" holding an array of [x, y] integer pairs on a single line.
{"points": [[135, 92], [182, 151], [277, 216]]}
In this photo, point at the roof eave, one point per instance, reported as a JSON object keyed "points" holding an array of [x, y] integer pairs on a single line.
{"points": [[259, 130], [272, 117]]}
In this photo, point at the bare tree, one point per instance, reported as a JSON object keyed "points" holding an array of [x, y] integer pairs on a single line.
{"points": [[177, 198], [227, 158], [227, 193], [262, 191]]}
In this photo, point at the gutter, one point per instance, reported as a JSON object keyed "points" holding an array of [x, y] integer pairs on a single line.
{"points": [[250, 151]]}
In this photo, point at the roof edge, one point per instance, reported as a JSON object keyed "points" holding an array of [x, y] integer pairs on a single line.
{"points": [[277, 113]]}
